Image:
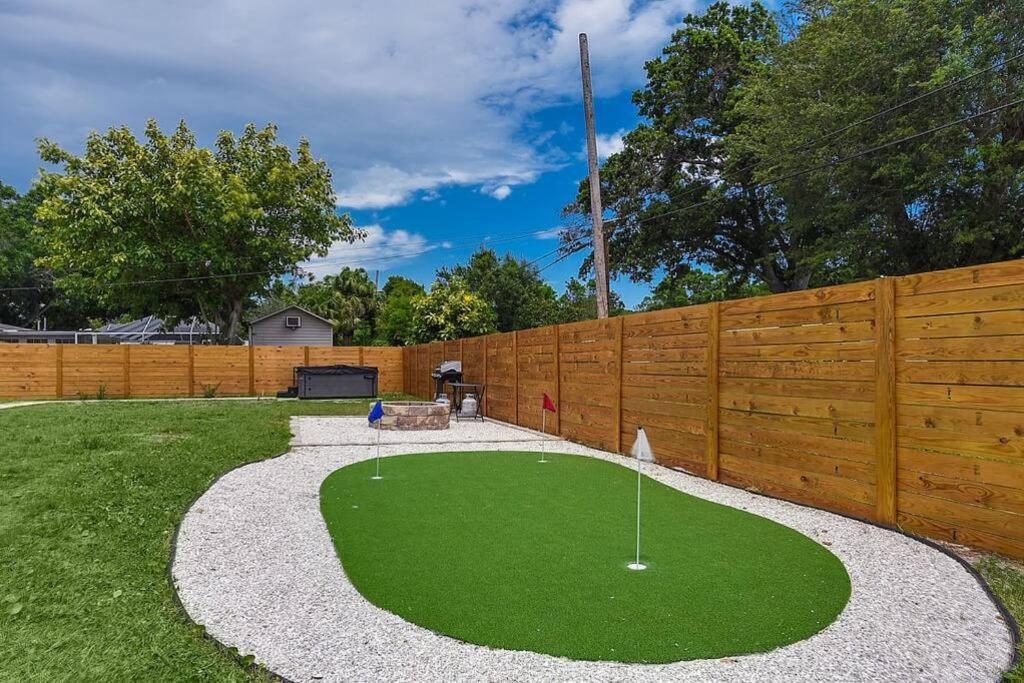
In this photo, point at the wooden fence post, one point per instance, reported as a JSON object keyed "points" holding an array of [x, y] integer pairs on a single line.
{"points": [[617, 323], [60, 371], [362, 355], [711, 425], [486, 393], [515, 377], [191, 371], [252, 370], [126, 370], [305, 356], [558, 384], [885, 401]]}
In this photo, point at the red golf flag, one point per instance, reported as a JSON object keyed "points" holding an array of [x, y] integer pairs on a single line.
{"points": [[549, 404]]}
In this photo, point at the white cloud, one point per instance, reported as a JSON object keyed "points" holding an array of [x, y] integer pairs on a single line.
{"points": [[607, 145], [500, 192], [400, 98], [550, 234], [382, 249]]}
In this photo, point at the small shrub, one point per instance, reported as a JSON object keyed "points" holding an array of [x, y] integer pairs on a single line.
{"points": [[101, 392], [210, 390]]}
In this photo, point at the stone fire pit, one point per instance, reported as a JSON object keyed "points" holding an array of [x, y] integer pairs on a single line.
{"points": [[408, 415]]}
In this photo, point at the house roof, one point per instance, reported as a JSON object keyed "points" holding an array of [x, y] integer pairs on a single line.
{"points": [[151, 325], [7, 327], [288, 308]]}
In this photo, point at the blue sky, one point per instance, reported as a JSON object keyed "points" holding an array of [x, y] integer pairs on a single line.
{"points": [[444, 123]]}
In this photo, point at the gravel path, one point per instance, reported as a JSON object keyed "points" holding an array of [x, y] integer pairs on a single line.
{"points": [[256, 566]]}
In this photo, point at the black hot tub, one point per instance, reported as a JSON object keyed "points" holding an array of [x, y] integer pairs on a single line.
{"points": [[336, 381]]}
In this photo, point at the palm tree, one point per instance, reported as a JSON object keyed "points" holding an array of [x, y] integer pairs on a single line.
{"points": [[346, 298]]}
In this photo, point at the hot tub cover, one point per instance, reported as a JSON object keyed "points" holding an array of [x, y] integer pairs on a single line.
{"points": [[336, 370]]}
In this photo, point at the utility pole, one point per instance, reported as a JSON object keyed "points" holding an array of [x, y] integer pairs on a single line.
{"points": [[600, 250]]}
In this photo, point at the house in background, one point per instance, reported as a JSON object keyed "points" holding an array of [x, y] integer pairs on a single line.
{"points": [[148, 330], [291, 326], [153, 330]]}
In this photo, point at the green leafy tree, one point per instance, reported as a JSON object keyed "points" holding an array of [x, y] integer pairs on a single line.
{"points": [[521, 299], [27, 291], [952, 198], [678, 157], [19, 248], [348, 298], [395, 320], [579, 302], [451, 311], [699, 287], [215, 226]]}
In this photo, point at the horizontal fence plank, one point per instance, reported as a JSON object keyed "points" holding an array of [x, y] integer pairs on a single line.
{"points": [[796, 392]]}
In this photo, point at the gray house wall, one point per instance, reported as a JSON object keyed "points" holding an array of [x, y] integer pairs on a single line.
{"points": [[271, 330]]}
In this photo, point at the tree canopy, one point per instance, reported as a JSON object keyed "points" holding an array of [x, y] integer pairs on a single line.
{"points": [[395, 321], [451, 311], [28, 294], [514, 288], [349, 298], [735, 103], [697, 286], [165, 226]]}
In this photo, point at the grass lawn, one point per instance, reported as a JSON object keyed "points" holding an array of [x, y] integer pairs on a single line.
{"points": [[499, 550], [89, 498], [1007, 581]]}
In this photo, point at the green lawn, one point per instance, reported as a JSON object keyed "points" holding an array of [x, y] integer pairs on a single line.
{"points": [[499, 550], [89, 498], [1007, 581]]}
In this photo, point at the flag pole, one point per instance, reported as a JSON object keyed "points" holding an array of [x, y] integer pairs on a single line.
{"points": [[377, 476], [544, 431], [637, 565]]}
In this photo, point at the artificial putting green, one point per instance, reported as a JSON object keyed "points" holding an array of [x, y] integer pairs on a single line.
{"points": [[496, 549]]}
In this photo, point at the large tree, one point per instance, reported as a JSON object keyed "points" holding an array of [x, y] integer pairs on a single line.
{"points": [[27, 292], [513, 287], [25, 288], [168, 227], [678, 196], [736, 166], [954, 197]]}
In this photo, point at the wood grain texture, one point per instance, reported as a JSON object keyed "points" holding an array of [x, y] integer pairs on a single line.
{"points": [[885, 401], [712, 398], [899, 400]]}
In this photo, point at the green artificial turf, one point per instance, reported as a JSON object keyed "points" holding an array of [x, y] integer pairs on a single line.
{"points": [[497, 549], [90, 495]]}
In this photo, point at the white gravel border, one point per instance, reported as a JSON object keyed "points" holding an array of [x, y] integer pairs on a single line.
{"points": [[255, 565]]}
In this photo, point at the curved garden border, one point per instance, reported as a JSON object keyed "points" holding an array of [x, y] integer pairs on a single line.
{"points": [[223, 627]]}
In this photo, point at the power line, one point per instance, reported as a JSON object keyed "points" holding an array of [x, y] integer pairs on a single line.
{"points": [[839, 160], [377, 259], [850, 126]]}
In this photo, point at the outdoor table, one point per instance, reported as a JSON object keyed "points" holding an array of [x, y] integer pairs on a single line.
{"points": [[459, 391]]}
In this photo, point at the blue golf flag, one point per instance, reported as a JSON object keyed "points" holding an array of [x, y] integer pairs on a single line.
{"points": [[376, 412]]}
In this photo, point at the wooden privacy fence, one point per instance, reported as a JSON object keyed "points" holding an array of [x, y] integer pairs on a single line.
{"points": [[125, 370], [899, 400]]}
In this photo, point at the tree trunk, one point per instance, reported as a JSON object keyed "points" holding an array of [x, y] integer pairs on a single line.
{"points": [[234, 320]]}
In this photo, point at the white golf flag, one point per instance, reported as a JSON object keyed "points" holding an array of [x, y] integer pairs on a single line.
{"points": [[643, 453], [642, 447]]}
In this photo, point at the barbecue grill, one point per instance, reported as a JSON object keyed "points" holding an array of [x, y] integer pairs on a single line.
{"points": [[447, 371]]}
